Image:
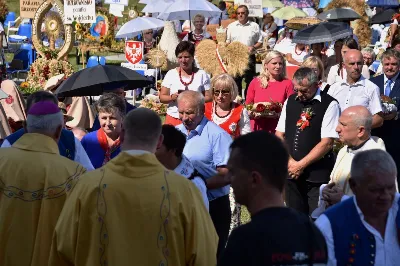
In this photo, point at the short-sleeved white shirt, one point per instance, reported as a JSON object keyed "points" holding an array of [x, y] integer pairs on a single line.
{"points": [[201, 82], [249, 33], [363, 92], [329, 121]]}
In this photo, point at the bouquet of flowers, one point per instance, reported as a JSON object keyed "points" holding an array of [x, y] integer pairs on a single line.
{"points": [[388, 105], [153, 102], [264, 109]]}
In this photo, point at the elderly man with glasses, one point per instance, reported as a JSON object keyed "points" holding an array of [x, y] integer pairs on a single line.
{"points": [[307, 125]]}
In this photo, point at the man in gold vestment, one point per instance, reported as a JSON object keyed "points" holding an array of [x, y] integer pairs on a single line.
{"points": [[133, 211], [35, 180]]}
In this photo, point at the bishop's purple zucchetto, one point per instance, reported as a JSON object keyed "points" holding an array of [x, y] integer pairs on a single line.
{"points": [[43, 108]]}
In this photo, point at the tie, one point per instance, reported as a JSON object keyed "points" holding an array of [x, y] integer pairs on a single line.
{"points": [[387, 88]]}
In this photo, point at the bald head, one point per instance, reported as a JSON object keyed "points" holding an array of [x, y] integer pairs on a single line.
{"points": [[141, 130], [352, 53], [360, 116], [353, 62]]}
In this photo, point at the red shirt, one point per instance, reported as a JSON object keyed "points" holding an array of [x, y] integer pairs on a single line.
{"points": [[276, 91]]}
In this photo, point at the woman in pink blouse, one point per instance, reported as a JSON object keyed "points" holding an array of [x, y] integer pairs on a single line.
{"points": [[270, 86]]}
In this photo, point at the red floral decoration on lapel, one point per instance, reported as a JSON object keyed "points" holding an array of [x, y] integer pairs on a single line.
{"points": [[9, 99]]}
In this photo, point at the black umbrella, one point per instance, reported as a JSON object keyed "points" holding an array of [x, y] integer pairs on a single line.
{"points": [[339, 14], [323, 32], [94, 80], [383, 17]]}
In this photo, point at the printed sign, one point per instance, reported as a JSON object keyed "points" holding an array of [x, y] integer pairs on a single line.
{"points": [[134, 51], [134, 67], [27, 8], [82, 11], [117, 2], [254, 6]]}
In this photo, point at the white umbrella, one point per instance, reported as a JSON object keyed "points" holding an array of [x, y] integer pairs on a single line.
{"points": [[135, 26], [144, 1], [157, 6], [187, 9]]}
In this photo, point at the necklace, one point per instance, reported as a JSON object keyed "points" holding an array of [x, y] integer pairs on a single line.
{"points": [[186, 84], [295, 50], [222, 116]]}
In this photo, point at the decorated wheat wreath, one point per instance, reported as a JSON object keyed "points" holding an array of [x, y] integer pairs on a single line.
{"points": [[222, 58], [157, 58]]}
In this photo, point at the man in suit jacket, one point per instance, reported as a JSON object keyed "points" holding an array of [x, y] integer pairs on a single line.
{"points": [[389, 85]]}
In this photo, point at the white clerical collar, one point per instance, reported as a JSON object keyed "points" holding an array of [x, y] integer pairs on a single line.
{"points": [[136, 152], [359, 148]]}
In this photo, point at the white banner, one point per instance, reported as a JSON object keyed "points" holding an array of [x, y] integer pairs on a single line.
{"points": [[255, 7], [117, 10], [117, 2], [82, 11]]}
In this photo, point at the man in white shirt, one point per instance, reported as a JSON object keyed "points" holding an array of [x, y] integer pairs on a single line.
{"points": [[363, 230], [357, 90], [354, 131], [307, 125], [249, 34], [170, 154]]}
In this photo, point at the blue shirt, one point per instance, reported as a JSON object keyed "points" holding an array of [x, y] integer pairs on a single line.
{"points": [[207, 147], [94, 150]]}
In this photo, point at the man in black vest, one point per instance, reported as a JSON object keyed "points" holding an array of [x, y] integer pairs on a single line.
{"points": [[276, 235], [389, 85], [307, 126]]}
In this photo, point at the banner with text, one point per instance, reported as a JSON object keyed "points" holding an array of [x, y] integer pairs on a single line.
{"points": [[82, 11], [255, 7], [27, 8], [117, 2]]}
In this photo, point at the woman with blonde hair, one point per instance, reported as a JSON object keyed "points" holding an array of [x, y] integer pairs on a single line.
{"points": [[223, 111], [317, 65], [270, 86]]}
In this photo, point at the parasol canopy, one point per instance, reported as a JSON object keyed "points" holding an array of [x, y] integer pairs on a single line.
{"points": [[288, 12], [382, 3], [94, 80], [187, 9], [323, 32], [157, 6], [135, 26], [298, 3], [298, 23], [272, 3], [339, 14], [383, 17]]}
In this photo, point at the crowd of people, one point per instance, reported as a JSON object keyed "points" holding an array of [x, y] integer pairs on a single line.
{"points": [[318, 174]]}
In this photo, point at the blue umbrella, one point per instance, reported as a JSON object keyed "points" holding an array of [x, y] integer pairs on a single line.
{"points": [[386, 3]]}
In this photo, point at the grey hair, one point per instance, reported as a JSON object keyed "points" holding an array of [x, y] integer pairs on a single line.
{"points": [[193, 97], [200, 16], [369, 50], [44, 124], [363, 121], [390, 53], [381, 161], [305, 73]]}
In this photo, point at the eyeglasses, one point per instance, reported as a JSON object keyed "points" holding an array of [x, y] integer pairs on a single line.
{"points": [[240, 13], [223, 93]]}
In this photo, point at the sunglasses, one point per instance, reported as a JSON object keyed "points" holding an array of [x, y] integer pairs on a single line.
{"points": [[222, 92], [148, 33]]}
